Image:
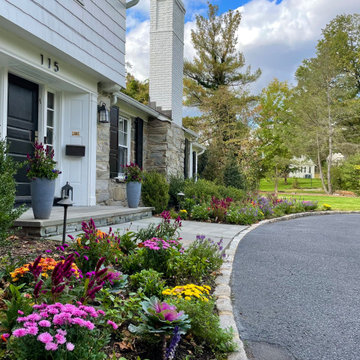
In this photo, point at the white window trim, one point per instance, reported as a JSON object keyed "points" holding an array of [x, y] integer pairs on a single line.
{"points": [[121, 176]]}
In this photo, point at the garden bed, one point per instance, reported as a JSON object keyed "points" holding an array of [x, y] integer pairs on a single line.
{"points": [[142, 296]]}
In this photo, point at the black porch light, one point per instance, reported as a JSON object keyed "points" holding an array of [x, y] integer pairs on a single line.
{"points": [[65, 202], [103, 113], [180, 198]]}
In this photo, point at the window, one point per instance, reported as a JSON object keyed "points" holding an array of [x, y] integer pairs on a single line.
{"points": [[123, 144], [50, 112]]}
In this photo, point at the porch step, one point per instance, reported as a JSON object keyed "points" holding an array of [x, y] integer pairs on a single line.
{"points": [[102, 216]]}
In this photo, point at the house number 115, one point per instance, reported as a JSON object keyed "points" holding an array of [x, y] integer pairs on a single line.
{"points": [[49, 63]]}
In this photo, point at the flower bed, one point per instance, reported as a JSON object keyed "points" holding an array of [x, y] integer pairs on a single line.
{"points": [[140, 295], [245, 212]]}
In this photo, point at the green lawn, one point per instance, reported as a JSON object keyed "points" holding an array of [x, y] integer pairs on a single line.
{"points": [[336, 202], [303, 185]]}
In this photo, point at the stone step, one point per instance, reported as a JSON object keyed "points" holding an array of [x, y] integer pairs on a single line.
{"points": [[102, 216]]}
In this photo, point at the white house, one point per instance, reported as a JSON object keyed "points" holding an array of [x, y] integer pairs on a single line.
{"points": [[60, 60], [302, 168]]}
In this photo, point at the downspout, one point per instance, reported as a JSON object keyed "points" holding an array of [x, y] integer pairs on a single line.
{"points": [[131, 3]]}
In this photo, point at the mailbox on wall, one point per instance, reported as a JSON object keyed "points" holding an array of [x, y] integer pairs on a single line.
{"points": [[75, 150]]}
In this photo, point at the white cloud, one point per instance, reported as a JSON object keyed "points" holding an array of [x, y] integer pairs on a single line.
{"points": [[275, 38]]}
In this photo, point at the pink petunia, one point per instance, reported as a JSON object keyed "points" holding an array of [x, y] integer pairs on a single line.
{"points": [[70, 346], [45, 338]]}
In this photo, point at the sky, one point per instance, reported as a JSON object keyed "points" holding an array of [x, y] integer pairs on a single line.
{"points": [[274, 35]]}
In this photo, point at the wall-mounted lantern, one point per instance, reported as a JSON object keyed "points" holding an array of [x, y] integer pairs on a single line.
{"points": [[103, 113]]}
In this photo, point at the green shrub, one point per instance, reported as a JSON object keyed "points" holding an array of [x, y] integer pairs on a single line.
{"points": [[200, 212], [8, 214], [233, 176], [350, 174], [244, 215], [205, 325], [155, 191], [203, 257], [149, 282], [201, 190], [230, 191]]}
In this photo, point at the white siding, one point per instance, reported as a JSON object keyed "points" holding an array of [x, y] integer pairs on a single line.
{"points": [[93, 34]]}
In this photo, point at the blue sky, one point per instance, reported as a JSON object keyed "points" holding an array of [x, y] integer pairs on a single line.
{"points": [[274, 35]]}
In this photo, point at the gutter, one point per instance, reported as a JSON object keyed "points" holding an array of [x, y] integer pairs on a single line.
{"points": [[131, 3]]}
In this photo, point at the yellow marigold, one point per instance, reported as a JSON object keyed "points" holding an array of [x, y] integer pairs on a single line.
{"points": [[183, 211], [189, 291]]}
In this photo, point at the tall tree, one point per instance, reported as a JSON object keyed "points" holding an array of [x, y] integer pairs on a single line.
{"points": [[320, 106], [273, 129], [214, 83], [138, 90]]}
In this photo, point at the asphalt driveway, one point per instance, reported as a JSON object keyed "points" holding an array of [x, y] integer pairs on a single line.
{"points": [[296, 289]]}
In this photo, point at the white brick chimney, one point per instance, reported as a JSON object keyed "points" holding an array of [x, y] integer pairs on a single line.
{"points": [[167, 55]]}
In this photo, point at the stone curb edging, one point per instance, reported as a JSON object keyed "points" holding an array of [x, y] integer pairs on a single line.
{"points": [[223, 289]]}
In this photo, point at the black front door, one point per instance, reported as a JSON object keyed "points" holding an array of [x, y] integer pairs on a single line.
{"points": [[22, 125]]}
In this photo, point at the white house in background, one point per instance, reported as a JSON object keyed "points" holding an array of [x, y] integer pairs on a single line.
{"points": [[302, 168], [60, 60]]}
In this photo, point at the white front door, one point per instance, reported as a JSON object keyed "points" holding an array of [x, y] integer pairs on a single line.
{"points": [[77, 121]]}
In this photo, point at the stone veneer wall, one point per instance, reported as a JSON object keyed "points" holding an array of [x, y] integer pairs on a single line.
{"points": [[109, 191], [165, 148]]}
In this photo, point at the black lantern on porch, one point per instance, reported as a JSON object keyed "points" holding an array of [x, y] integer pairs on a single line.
{"points": [[66, 202]]}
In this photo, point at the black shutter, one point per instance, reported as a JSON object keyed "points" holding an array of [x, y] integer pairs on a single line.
{"points": [[139, 141], [186, 158], [194, 164], [114, 133]]}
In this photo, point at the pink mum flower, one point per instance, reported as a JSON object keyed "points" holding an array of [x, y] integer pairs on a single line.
{"points": [[60, 339], [70, 346], [45, 338], [44, 323], [109, 322], [20, 332], [51, 346], [32, 330]]}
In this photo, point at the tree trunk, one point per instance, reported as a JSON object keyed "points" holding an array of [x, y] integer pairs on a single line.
{"points": [[329, 162], [319, 165], [276, 181]]}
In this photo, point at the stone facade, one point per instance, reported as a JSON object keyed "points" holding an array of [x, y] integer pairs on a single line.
{"points": [[165, 149]]}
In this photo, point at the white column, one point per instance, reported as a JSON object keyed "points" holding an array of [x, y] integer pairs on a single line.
{"points": [[191, 161], [3, 101], [92, 149]]}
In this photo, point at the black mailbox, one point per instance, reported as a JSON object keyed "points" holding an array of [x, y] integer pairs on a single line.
{"points": [[75, 150]]}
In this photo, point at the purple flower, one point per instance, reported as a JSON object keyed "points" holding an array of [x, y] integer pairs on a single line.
{"points": [[86, 258], [70, 346]]}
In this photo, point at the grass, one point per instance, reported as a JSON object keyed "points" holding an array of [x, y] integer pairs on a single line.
{"points": [[336, 202], [301, 185], [311, 186]]}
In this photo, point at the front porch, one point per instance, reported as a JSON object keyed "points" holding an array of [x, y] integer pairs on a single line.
{"points": [[102, 216]]}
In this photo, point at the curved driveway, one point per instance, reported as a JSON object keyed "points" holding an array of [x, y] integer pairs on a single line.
{"points": [[296, 289]]}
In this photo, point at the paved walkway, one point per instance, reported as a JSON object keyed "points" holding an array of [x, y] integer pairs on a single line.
{"points": [[296, 288], [188, 231]]}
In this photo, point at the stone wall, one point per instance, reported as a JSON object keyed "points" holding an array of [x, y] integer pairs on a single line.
{"points": [[165, 148], [163, 151]]}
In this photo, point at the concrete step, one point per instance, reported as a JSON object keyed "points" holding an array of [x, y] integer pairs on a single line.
{"points": [[102, 216]]}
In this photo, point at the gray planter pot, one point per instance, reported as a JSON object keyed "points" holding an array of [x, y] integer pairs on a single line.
{"points": [[42, 197], [133, 193]]}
